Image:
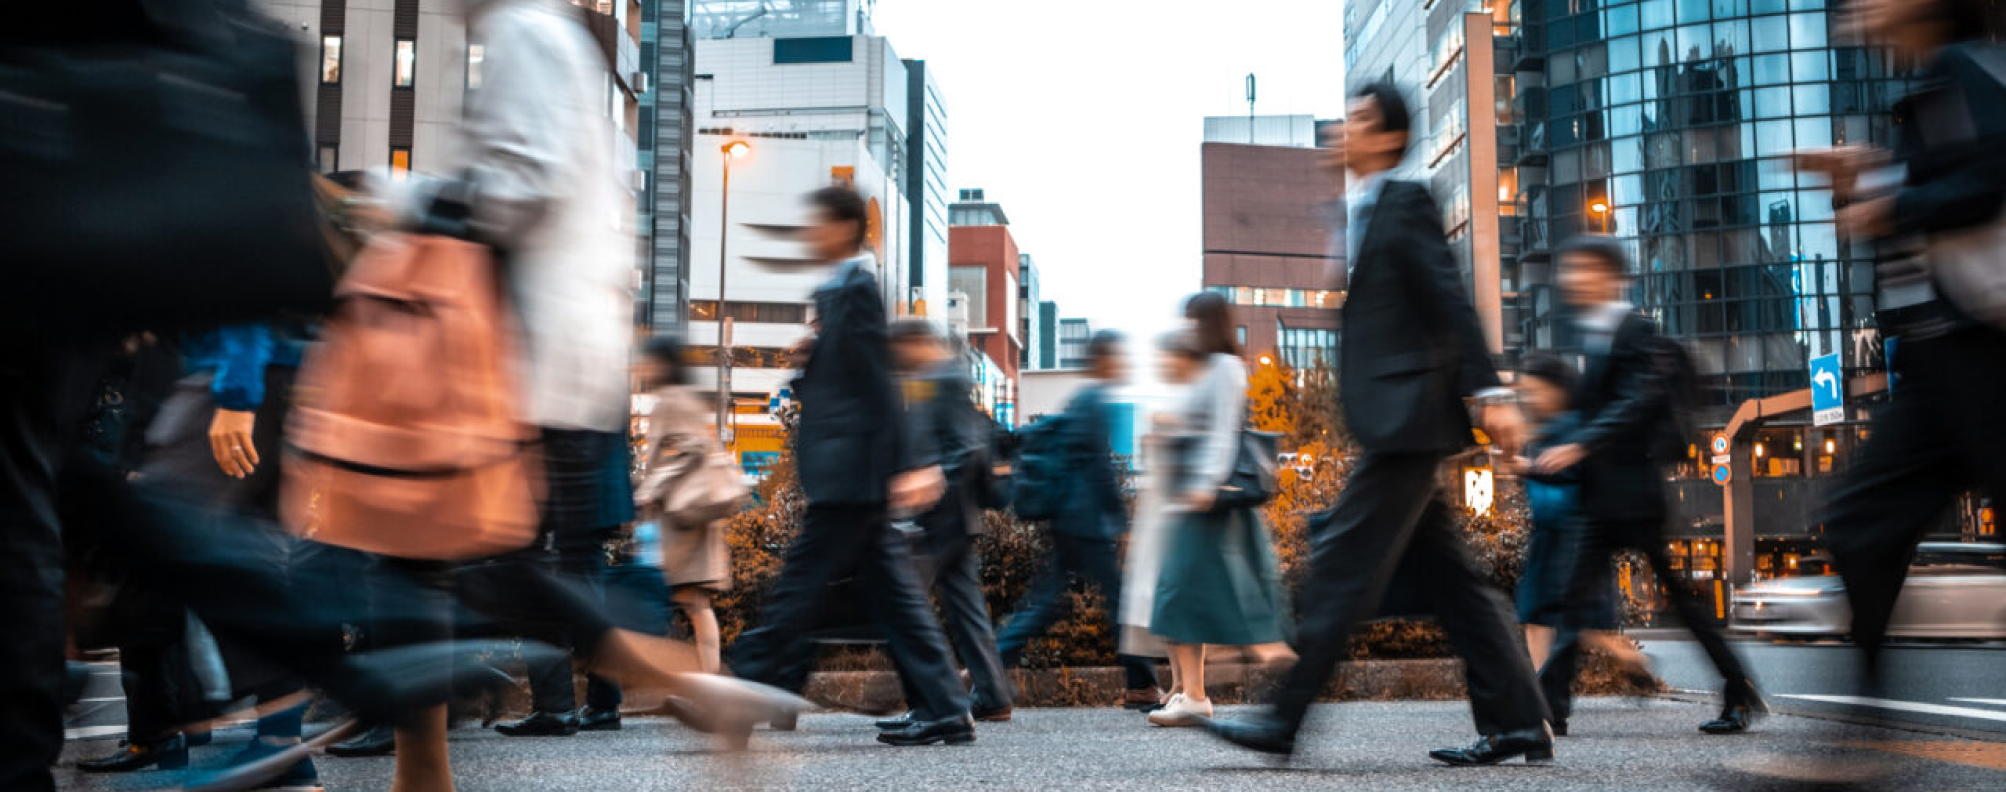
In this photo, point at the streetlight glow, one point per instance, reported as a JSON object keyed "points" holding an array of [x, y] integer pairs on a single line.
{"points": [[1598, 207], [737, 149]]}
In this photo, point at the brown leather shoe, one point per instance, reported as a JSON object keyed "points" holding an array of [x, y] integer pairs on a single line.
{"points": [[991, 714], [1143, 700]]}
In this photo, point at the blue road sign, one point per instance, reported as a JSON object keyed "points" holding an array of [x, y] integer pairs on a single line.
{"points": [[1828, 389]]}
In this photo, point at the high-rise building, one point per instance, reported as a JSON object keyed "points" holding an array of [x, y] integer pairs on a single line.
{"points": [[1047, 356], [1074, 333], [1027, 310], [926, 189], [725, 19], [1268, 244], [984, 264], [665, 133]]}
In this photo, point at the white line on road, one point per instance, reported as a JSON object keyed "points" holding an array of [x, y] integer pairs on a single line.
{"points": [[1993, 702], [93, 732], [1905, 706]]}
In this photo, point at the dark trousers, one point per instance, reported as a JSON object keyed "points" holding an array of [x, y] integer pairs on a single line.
{"points": [[835, 542], [43, 396], [1390, 517], [1938, 436], [1075, 562], [579, 557], [1599, 544], [953, 572]]}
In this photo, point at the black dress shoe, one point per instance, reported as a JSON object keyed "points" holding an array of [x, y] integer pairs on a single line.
{"points": [[1535, 745], [590, 719], [894, 724], [992, 714], [541, 724], [1743, 705], [1261, 733], [1559, 727], [378, 741], [168, 754], [958, 730]]}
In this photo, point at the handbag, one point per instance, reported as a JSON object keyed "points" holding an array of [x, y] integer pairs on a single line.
{"points": [[1252, 482], [711, 490], [1969, 265], [159, 172]]}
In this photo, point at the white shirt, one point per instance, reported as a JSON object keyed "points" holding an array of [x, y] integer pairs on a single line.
{"points": [[1600, 323], [1359, 199]]}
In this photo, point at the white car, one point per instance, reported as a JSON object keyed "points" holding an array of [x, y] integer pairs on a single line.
{"points": [[1954, 590]]}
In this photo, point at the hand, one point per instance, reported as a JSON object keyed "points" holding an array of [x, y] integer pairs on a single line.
{"points": [[1201, 500], [918, 490], [1505, 426], [230, 442], [1560, 458], [1842, 164], [1872, 218], [1514, 465]]}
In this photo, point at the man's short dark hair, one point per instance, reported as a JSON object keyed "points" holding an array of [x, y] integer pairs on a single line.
{"points": [[1602, 252], [913, 330], [1104, 343], [1548, 368], [844, 205], [1393, 113]]}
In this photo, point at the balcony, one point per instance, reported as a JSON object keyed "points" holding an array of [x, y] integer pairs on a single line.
{"points": [[1530, 44]]}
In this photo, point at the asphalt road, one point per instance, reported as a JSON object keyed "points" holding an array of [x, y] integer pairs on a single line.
{"points": [[1618, 744], [1938, 686]]}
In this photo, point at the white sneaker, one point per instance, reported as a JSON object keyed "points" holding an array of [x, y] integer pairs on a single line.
{"points": [[1182, 711]]}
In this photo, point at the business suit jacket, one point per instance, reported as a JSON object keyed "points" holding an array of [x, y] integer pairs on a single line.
{"points": [[1623, 399], [850, 437], [944, 428], [1412, 348], [1095, 509]]}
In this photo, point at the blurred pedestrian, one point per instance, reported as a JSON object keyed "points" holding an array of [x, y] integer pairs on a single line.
{"points": [[1220, 582], [1412, 352], [1086, 535], [1545, 385], [945, 430], [1625, 400], [849, 449], [695, 554]]}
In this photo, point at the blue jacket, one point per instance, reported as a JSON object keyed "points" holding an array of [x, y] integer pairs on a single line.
{"points": [[1553, 498], [1097, 510], [239, 355]]}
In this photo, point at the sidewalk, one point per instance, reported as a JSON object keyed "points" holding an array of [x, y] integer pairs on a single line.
{"points": [[1620, 744]]}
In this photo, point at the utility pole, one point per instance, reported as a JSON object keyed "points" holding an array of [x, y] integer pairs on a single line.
{"points": [[1250, 108]]}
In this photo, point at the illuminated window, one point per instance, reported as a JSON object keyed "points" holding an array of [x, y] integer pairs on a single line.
{"points": [[400, 161], [407, 63], [330, 60]]}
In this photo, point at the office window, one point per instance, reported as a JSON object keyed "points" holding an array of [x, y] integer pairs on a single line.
{"points": [[330, 60], [327, 159], [818, 49], [475, 54], [400, 161], [407, 63], [1242, 333]]}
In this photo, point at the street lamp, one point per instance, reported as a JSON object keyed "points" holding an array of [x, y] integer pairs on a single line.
{"points": [[737, 149], [1601, 210]]}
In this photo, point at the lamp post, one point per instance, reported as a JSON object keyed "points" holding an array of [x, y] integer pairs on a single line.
{"points": [[736, 149]]}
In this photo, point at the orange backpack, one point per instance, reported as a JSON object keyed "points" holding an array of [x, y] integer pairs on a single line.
{"points": [[406, 438]]}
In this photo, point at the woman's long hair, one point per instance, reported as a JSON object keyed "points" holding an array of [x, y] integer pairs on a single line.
{"points": [[1212, 321]]}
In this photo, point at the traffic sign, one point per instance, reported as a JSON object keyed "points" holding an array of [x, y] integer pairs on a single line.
{"points": [[1828, 401], [1722, 474], [1719, 444]]}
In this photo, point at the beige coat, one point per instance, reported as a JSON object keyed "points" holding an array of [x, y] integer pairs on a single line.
{"points": [[678, 439]]}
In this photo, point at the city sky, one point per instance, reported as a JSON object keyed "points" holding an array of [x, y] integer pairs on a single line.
{"points": [[1083, 119]]}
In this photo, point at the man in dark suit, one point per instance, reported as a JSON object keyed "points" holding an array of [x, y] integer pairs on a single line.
{"points": [[1624, 400], [1086, 536], [944, 430], [849, 449], [1412, 352]]}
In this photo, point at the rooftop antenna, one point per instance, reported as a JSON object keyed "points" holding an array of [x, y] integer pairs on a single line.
{"points": [[1250, 108]]}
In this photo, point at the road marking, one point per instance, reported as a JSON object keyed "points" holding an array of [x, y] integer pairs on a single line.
{"points": [[93, 732], [1991, 756], [1993, 702], [1905, 706]]}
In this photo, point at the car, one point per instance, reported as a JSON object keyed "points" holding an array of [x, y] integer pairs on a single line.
{"points": [[1955, 590]]}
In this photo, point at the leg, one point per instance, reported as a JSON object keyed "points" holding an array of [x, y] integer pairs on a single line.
{"points": [[1538, 643], [695, 604], [1355, 547], [830, 545], [1698, 620], [1040, 609], [912, 636], [1503, 695], [959, 587], [1584, 580], [1095, 561], [552, 689], [1190, 661]]}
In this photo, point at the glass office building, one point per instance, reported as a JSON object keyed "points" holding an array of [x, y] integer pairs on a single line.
{"points": [[1668, 124]]}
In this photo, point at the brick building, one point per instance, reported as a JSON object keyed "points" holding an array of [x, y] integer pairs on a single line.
{"points": [[984, 264], [1267, 238]]}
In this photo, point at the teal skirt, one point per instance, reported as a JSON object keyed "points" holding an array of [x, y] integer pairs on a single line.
{"points": [[1220, 582]]}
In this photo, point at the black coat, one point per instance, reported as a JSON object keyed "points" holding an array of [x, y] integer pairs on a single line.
{"points": [[850, 440], [1094, 507], [1623, 399], [1412, 348], [944, 428]]}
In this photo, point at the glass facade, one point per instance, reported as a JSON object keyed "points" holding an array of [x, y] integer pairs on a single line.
{"points": [[1668, 124]]}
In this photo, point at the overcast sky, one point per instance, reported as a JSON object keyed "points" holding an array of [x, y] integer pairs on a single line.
{"points": [[1083, 119]]}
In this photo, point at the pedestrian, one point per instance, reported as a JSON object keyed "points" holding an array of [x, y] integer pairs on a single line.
{"points": [[849, 448], [1544, 389], [695, 556], [1624, 397], [1220, 582], [1933, 439], [1412, 352], [1087, 534], [944, 429]]}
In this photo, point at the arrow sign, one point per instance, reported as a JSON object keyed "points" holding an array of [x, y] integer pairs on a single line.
{"points": [[1828, 401]]}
